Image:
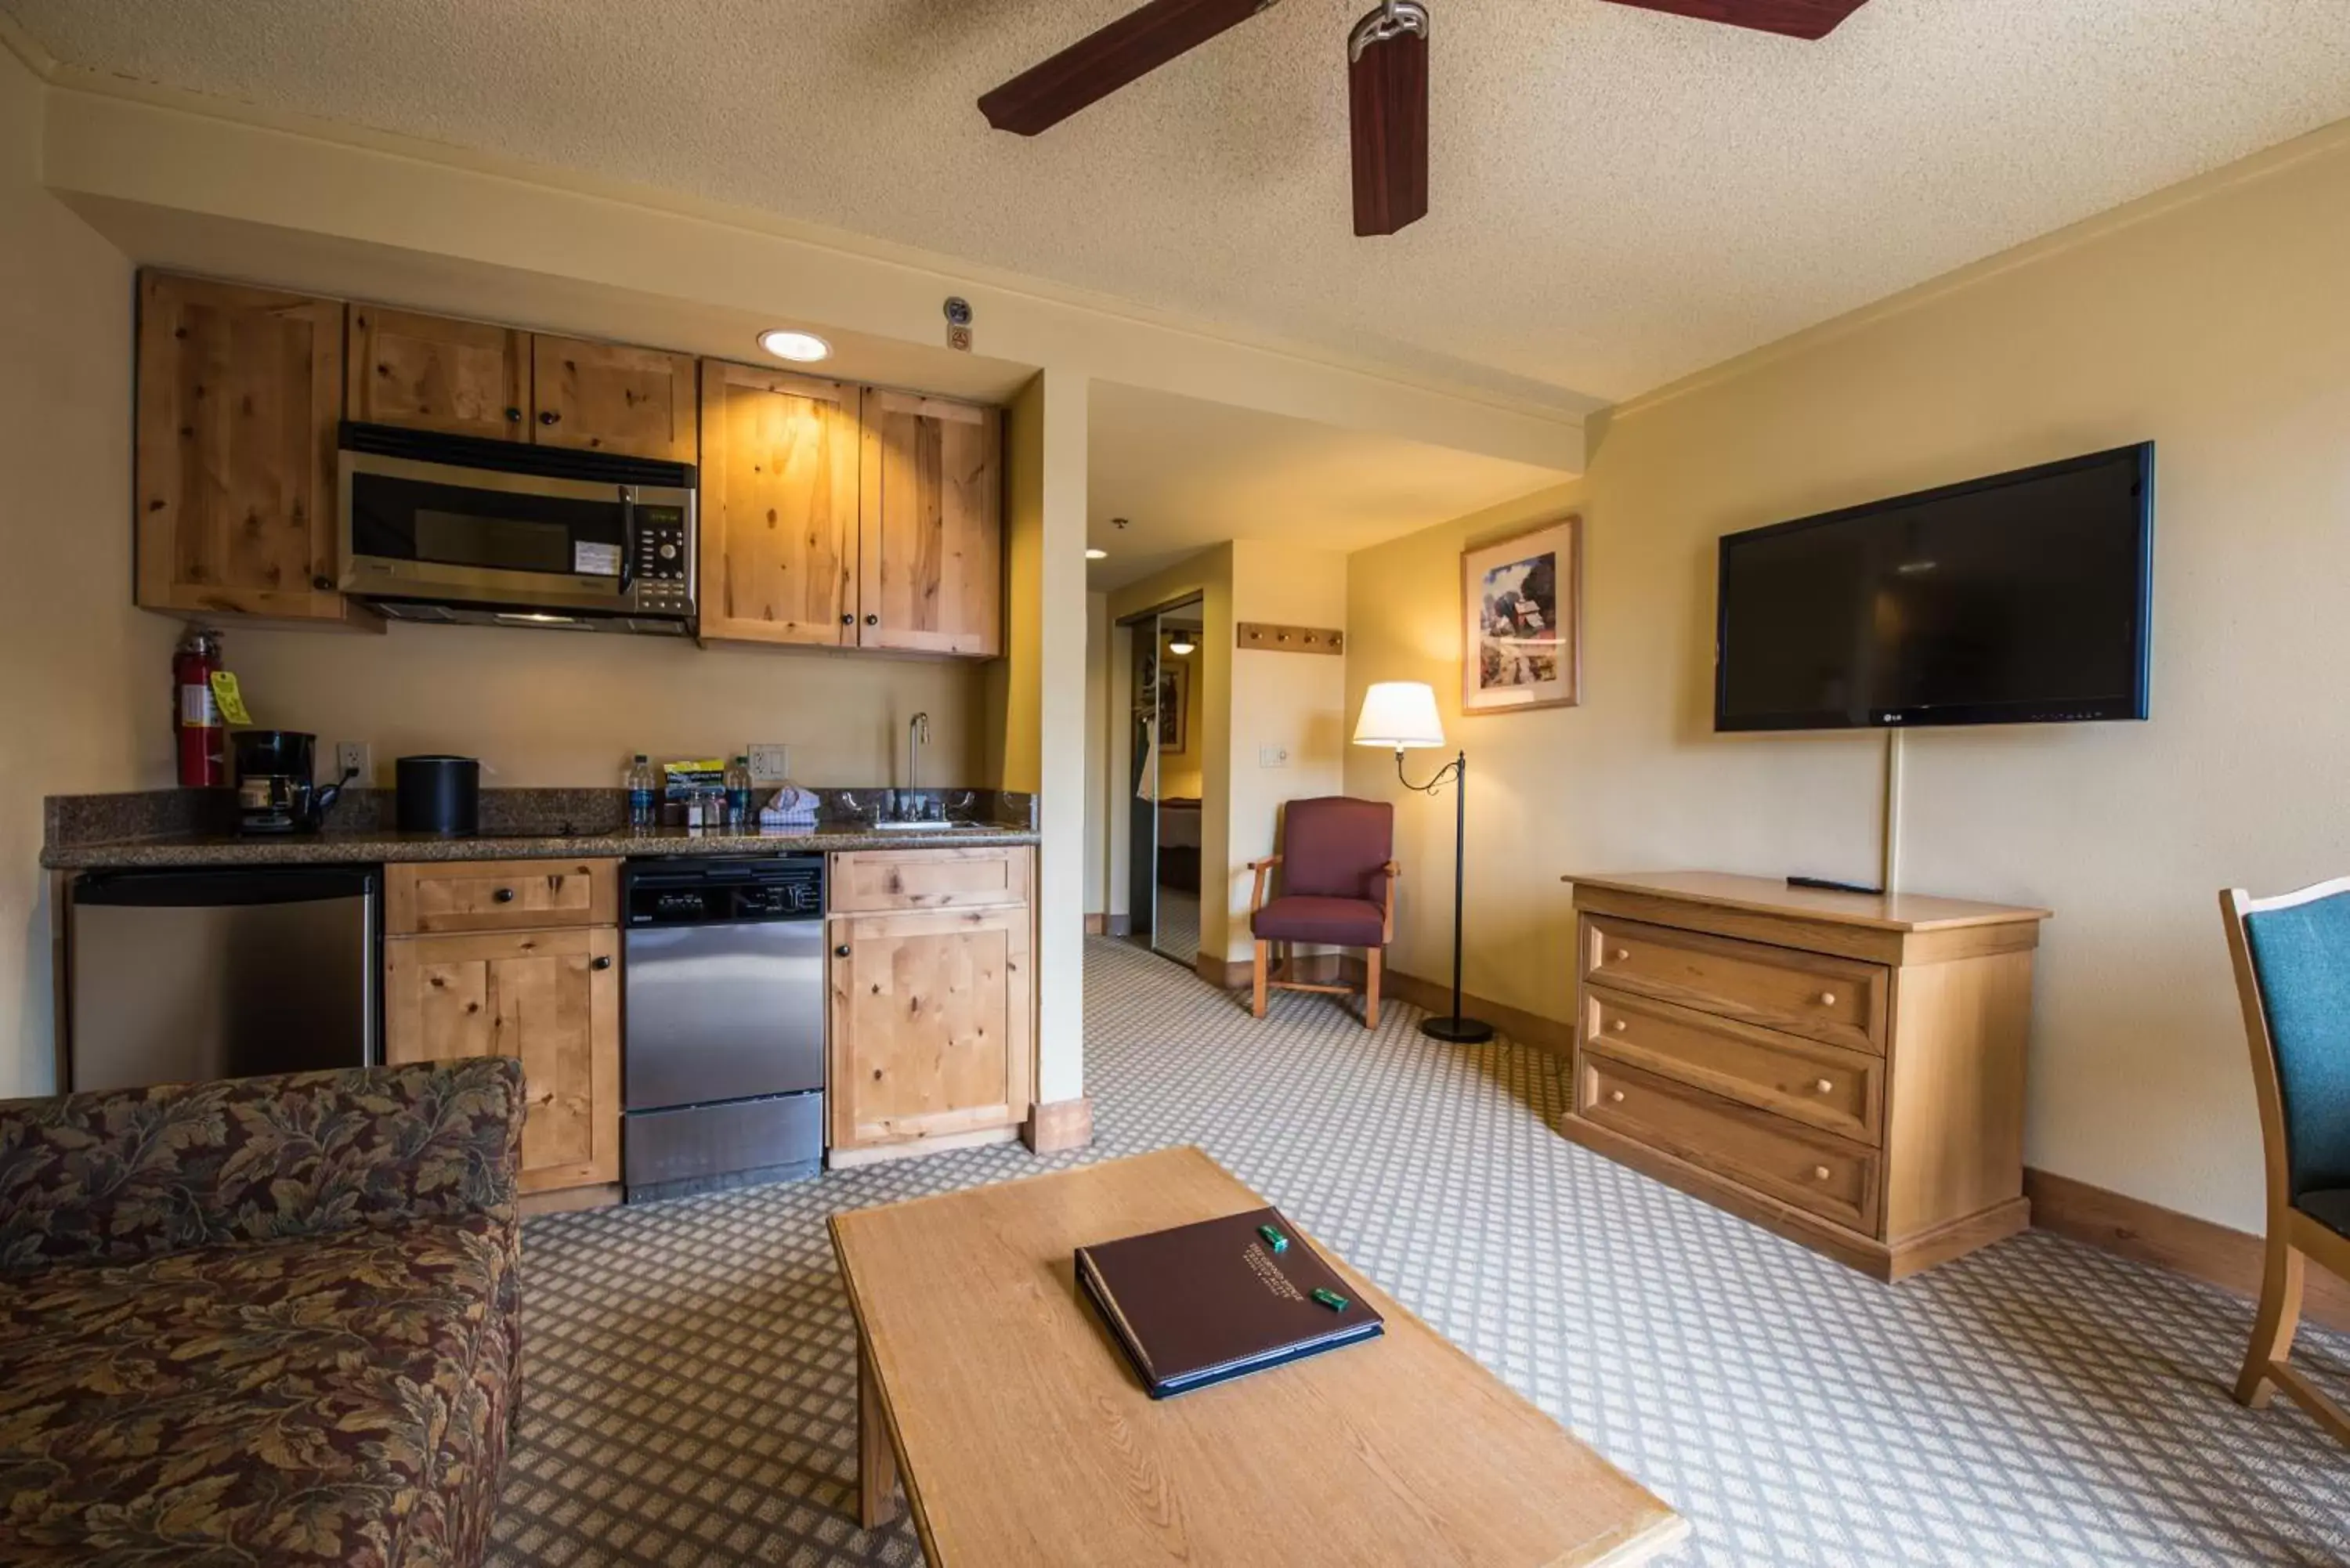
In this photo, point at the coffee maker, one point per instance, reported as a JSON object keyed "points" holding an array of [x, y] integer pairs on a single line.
{"points": [[276, 788]]}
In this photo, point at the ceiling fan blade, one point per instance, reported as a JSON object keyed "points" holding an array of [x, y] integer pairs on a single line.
{"points": [[1811, 19], [1386, 81], [1099, 64]]}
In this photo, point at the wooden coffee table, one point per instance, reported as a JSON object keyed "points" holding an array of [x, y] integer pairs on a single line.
{"points": [[1025, 1437]]}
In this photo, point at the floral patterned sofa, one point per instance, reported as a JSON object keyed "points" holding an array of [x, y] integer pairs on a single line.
{"points": [[264, 1321]]}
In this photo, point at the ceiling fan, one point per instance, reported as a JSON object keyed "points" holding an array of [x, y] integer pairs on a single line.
{"points": [[1387, 63]]}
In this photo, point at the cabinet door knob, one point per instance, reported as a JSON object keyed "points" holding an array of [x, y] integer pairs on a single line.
{"points": [[549, 417], [840, 951], [872, 620], [503, 895], [514, 416], [1827, 999], [600, 961], [1615, 1096], [849, 620], [324, 585], [1620, 1026], [1821, 1173], [1825, 1086]]}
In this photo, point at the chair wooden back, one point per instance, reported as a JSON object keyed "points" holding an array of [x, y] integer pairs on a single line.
{"points": [[2291, 1124]]}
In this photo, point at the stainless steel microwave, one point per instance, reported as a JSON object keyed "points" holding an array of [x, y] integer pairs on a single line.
{"points": [[457, 528]]}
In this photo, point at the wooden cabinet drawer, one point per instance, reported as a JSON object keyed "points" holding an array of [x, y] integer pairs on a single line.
{"points": [[1827, 1086], [867, 880], [1840, 1000], [1808, 1170], [499, 895]]}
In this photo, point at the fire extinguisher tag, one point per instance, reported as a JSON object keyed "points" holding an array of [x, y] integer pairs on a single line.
{"points": [[232, 702]]}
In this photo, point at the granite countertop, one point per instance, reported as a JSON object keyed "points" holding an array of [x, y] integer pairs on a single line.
{"points": [[364, 846]]}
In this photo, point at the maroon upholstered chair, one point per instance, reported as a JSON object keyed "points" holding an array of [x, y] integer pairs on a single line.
{"points": [[1337, 888]]}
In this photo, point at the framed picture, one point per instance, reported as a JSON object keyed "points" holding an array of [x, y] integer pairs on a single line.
{"points": [[1522, 621], [1174, 702]]}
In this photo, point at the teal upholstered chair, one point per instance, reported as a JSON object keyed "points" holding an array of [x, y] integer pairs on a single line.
{"points": [[2292, 974]]}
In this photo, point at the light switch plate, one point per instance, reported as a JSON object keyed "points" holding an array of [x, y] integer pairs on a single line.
{"points": [[1272, 756], [355, 757], [770, 761]]}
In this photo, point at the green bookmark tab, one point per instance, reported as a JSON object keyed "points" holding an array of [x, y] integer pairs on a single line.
{"points": [[1331, 1299], [1274, 1238]]}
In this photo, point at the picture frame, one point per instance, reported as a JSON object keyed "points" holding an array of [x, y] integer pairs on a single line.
{"points": [[1174, 704], [1522, 621]]}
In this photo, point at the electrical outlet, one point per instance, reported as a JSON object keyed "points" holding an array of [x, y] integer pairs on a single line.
{"points": [[1272, 756], [770, 762], [354, 757]]}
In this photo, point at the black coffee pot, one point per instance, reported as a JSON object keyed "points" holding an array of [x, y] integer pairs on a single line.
{"points": [[276, 788]]}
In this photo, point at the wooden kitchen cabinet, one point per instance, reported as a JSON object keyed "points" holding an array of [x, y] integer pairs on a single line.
{"points": [[432, 373], [610, 396], [239, 392], [551, 998], [779, 507], [930, 540], [930, 1025]]}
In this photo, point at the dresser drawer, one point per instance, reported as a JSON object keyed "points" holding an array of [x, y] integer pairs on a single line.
{"points": [[1826, 1086], [499, 895], [1840, 1000], [866, 881], [1811, 1170]]}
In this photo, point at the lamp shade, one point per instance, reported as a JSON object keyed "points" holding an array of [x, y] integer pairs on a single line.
{"points": [[1400, 713]]}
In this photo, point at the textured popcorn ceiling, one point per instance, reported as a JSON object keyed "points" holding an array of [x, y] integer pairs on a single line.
{"points": [[1620, 196]]}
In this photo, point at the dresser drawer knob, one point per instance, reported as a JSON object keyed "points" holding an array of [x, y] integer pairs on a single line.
{"points": [[1620, 954], [504, 896], [1827, 999], [1821, 1173], [1620, 1026], [1615, 1096], [1825, 1086]]}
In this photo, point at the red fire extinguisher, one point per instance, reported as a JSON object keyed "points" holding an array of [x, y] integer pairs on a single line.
{"points": [[196, 715]]}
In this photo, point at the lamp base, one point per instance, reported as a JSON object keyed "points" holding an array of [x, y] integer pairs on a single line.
{"points": [[1458, 1031]]}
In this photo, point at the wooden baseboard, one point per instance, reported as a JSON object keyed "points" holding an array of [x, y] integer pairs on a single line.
{"points": [[914, 1148], [1055, 1126], [568, 1199], [1433, 996], [1096, 925], [2152, 1234]]}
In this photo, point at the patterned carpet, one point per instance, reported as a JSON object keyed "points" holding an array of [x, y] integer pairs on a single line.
{"points": [[690, 1396]]}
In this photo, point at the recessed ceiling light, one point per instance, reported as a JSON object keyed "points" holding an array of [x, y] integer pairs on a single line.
{"points": [[799, 348], [1094, 555]]}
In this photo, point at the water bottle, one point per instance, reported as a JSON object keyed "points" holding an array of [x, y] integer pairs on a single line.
{"points": [[641, 791], [738, 794]]}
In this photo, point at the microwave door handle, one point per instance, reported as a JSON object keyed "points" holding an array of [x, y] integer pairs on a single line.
{"points": [[627, 539]]}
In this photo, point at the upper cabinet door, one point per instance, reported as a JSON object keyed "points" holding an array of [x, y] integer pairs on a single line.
{"points": [[779, 507], [932, 554], [607, 397], [426, 372], [239, 391]]}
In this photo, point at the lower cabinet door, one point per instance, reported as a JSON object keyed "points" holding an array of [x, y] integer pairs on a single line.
{"points": [[551, 998], [929, 1024]]}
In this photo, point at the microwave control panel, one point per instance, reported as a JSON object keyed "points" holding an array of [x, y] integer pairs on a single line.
{"points": [[664, 563]]}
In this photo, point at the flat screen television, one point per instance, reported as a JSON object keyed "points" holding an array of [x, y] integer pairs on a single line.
{"points": [[2019, 598]]}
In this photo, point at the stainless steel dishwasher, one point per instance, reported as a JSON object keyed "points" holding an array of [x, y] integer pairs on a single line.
{"points": [[723, 984]]}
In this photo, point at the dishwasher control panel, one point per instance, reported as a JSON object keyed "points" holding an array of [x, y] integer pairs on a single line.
{"points": [[723, 890]]}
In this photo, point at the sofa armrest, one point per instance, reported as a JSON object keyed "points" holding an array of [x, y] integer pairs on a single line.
{"points": [[128, 1173]]}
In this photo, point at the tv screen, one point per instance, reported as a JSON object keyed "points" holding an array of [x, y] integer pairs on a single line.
{"points": [[2021, 598]]}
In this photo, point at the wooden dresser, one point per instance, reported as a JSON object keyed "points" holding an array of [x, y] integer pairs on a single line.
{"points": [[1844, 1069]]}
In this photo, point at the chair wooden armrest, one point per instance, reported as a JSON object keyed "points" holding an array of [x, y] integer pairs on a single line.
{"points": [[1256, 893], [1394, 874]]}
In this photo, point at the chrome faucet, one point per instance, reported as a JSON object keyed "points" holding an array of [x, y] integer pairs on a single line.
{"points": [[918, 735]]}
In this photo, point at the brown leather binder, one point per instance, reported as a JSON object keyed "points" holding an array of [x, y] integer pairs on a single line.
{"points": [[1211, 1301]]}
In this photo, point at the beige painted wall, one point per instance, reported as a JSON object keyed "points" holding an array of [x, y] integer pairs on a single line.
{"points": [[89, 677], [561, 708], [1294, 702], [2214, 320]]}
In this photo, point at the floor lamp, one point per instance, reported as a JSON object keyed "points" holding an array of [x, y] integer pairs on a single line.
{"points": [[1402, 715]]}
